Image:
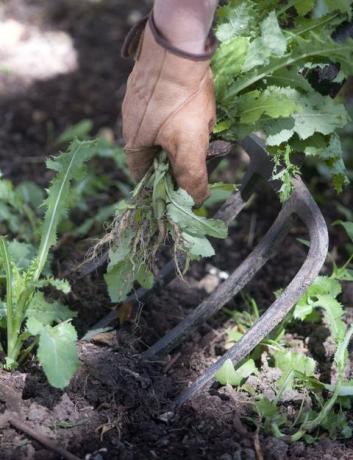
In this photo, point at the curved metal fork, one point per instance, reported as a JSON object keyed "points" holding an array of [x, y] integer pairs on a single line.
{"points": [[301, 204], [305, 207]]}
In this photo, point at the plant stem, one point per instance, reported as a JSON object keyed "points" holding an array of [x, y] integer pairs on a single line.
{"points": [[286, 8], [11, 337], [27, 351]]}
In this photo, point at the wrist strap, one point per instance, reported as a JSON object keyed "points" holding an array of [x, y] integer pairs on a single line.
{"points": [[133, 41]]}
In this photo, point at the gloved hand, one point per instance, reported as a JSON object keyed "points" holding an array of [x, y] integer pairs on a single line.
{"points": [[169, 104]]}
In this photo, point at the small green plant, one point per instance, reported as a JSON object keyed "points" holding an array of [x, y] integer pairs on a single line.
{"points": [[321, 405], [27, 319], [19, 205], [157, 212], [267, 51]]}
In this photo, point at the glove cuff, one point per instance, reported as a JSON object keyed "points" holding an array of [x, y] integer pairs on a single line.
{"points": [[132, 43]]}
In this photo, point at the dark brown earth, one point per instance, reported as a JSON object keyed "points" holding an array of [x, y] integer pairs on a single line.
{"points": [[118, 406]]}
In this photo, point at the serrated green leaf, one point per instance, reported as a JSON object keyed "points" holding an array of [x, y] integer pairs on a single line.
{"points": [[289, 77], [227, 63], [59, 284], [79, 131], [272, 35], [317, 114], [57, 351], [237, 22], [271, 42], [291, 362], [314, 46], [227, 375], [46, 312], [333, 313], [68, 166], [274, 102], [322, 294]]}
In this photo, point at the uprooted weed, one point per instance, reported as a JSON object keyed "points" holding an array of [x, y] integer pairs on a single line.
{"points": [[157, 213]]}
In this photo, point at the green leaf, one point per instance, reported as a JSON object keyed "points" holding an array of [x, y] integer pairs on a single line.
{"points": [[289, 77], [120, 280], [333, 313], [180, 211], [322, 294], [80, 130], [344, 390], [57, 351], [144, 276], [271, 42], [228, 375], [22, 254], [68, 166], [344, 6], [46, 312], [317, 114], [314, 46], [303, 7], [274, 102], [341, 352], [3, 315], [266, 408], [291, 362], [59, 284], [198, 246], [227, 63], [5, 260], [343, 274], [120, 252], [31, 193], [272, 35], [219, 192], [237, 23]]}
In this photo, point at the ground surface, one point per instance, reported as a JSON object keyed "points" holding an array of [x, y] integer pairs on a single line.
{"points": [[118, 406]]}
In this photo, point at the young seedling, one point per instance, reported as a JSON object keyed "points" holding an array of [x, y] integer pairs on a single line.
{"points": [[298, 371]]}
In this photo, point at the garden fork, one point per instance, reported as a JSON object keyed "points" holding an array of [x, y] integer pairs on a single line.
{"points": [[302, 205]]}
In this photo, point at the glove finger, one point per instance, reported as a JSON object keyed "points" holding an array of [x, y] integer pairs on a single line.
{"points": [[188, 160], [139, 160]]}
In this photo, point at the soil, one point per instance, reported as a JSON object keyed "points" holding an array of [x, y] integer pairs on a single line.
{"points": [[119, 406]]}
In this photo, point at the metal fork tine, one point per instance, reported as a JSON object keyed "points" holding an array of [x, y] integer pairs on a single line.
{"points": [[305, 207], [260, 167], [227, 290]]}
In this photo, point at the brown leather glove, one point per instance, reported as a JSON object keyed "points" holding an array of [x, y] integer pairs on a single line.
{"points": [[169, 104]]}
